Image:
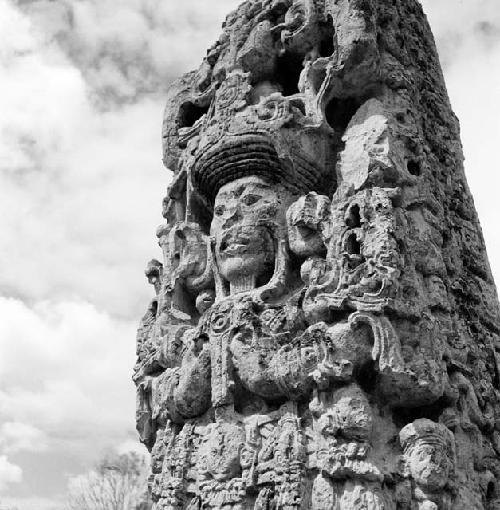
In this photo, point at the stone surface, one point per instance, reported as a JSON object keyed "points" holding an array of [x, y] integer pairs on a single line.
{"points": [[325, 330]]}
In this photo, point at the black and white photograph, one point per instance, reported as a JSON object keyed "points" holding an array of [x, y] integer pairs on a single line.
{"points": [[249, 252]]}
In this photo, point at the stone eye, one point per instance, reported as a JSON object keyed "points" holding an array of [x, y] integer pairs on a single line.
{"points": [[250, 199], [219, 210]]}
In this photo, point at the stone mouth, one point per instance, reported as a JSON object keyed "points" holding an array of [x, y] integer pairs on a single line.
{"points": [[235, 241]]}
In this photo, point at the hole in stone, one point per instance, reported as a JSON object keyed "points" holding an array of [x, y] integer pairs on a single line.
{"points": [[366, 376], [300, 105], [201, 213], [400, 117], [353, 219], [353, 246], [155, 370], [295, 264], [189, 113], [401, 246], [288, 69], [265, 279], [326, 47], [490, 491], [339, 112], [154, 307], [337, 316], [278, 11], [403, 416], [414, 168]]}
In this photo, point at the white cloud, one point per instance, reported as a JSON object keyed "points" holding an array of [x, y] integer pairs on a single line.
{"points": [[78, 185], [33, 83], [474, 25], [75, 378], [9, 473], [77, 229], [66, 392], [66, 384], [126, 49], [16, 437]]}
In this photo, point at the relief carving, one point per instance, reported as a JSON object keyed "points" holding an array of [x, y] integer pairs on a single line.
{"points": [[310, 345]]}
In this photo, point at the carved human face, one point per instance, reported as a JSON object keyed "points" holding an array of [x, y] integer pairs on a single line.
{"points": [[184, 249], [247, 457], [306, 218], [220, 454], [248, 213], [429, 465]]}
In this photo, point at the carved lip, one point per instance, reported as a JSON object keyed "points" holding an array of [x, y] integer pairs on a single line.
{"points": [[305, 231], [234, 244], [235, 249]]}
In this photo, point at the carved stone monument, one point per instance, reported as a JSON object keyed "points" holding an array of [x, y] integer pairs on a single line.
{"points": [[325, 331]]}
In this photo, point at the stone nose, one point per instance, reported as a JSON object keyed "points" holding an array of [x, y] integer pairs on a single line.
{"points": [[232, 217]]}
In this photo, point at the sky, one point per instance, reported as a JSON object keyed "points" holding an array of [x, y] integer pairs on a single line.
{"points": [[82, 84]]}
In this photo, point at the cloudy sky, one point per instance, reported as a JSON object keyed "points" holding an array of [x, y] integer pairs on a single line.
{"points": [[81, 182]]}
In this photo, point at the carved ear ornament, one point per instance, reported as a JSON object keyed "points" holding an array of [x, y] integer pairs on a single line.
{"points": [[386, 346]]}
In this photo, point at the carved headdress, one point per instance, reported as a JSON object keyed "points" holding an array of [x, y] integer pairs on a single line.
{"points": [[252, 154], [428, 432], [259, 111], [270, 135]]}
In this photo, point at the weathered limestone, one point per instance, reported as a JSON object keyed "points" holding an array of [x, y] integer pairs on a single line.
{"points": [[325, 330]]}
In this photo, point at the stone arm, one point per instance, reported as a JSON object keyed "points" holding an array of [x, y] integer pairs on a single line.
{"points": [[162, 348], [324, 355], [327, 354], [291, 370], [184, 392], [161, 356]]}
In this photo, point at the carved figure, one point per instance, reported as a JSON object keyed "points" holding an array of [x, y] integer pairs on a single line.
{"points": [[248, 229], [323, 289], [429, 453]]}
